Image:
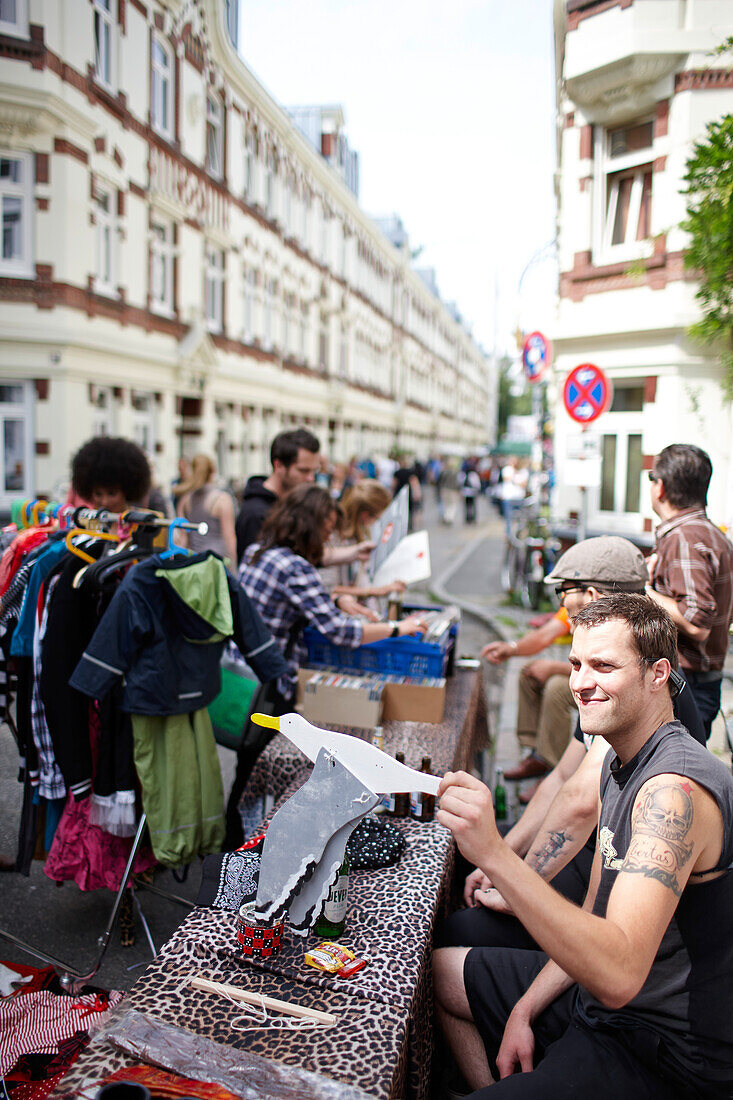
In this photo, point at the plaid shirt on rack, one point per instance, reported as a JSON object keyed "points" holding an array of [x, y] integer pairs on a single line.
{"points": [[51, 783], [283, 586], [695, 567]]}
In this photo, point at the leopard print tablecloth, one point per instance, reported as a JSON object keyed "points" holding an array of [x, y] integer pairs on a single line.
{"points": [[367, 1047], [384, 1039]]}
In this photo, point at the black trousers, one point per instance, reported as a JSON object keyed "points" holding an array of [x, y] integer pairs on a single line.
{"points": [[571, 1060]]}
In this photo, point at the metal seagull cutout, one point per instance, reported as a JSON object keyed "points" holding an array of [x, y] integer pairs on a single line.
{"points": [[376, 769]]}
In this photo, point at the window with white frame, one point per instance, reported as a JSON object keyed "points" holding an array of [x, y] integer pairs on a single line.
{"points": [[15, 210], [14, 18], [101, 401], [104, 219], [624, 158], [16, 441], [303, 329], [250, 156], [214, 289], [161, 87], [105, 15], [270, 180], [323, 341], [269, 333], [143, 420], [162, 261], [343, 352], [214, 136], [249, 298]]}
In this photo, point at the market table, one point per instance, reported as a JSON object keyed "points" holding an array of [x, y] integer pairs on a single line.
{"points": [[383, 1040]]}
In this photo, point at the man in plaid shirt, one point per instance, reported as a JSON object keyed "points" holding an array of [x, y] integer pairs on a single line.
{"points": [[691, 571]]}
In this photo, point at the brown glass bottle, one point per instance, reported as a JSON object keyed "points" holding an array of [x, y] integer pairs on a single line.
{"points": [[401, 800], [422, 806]]}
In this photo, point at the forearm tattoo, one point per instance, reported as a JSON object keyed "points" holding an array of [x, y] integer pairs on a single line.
{"points": [[662, 821], [540, 858]]}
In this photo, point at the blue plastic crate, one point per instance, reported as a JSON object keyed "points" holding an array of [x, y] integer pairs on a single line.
{"points": [[407, 656]]}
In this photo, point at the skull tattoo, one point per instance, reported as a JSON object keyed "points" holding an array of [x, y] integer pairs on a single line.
{"points": [[668, 812]]}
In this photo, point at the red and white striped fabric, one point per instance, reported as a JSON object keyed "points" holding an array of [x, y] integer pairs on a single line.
{"points": [[34, 1023]]}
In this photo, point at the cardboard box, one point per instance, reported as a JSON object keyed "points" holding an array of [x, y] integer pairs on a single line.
{"points": [[404, 702], [413, 702], [350, 701]]}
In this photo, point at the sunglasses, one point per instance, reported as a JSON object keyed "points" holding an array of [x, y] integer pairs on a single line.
{"points": [[561, 591], [652, 476]]}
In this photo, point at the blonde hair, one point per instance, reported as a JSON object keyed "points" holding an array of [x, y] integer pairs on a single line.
{"points": [[203, 469], [367, 495]]}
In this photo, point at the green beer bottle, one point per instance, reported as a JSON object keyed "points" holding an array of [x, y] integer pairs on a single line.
{"points": [[499, 796]]}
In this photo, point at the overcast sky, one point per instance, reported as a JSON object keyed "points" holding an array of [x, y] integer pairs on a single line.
{"points": [[450, 107]]}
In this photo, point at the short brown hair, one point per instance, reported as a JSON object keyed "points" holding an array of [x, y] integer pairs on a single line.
{"points": [[685, 472], [285, 446], [297, 520], [653, 632]]}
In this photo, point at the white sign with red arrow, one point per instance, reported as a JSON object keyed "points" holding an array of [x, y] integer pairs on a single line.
{"points": [[408, 562]]}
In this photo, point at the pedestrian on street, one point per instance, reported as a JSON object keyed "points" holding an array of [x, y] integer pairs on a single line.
{"points": [[470, 484]]}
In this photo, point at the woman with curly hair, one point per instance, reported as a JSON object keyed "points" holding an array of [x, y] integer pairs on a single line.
{"points": [[111, 472]]}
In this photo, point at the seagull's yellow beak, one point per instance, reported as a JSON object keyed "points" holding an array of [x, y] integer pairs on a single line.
{"points": [[266, 720]]}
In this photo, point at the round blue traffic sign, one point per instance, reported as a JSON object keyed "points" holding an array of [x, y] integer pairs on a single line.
{"points": [[535, 356], [587, 393]]}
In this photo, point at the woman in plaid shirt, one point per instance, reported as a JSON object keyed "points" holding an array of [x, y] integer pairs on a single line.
{"points": [[280, 575]]}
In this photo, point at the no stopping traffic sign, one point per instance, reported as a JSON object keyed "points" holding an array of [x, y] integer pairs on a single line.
{"points": [[587, 393], [536, 355]]}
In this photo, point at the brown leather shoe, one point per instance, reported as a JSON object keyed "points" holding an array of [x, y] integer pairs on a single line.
{"points": [[532, 767], [527, 794]]}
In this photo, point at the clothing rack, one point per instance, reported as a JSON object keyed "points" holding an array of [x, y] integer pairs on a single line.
{"points": [[146, 524], [73, 980]]}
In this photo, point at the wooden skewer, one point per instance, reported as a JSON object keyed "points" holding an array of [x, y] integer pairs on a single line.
{"points": [[260, 1001]]}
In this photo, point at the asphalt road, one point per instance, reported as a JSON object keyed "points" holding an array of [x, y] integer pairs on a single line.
{"points": [[66, 921]]}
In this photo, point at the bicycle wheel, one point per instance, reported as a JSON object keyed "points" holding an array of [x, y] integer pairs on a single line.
{"points": [[510, 568], [532, 583]]}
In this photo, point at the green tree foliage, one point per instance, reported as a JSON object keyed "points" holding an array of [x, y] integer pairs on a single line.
{"points": [[709, 222], [510, 402]]}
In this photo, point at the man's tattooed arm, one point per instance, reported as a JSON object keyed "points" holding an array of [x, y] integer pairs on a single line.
{"points": [[543, 856], [661, 822]]}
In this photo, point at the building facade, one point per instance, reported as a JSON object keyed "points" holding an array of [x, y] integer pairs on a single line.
{"points": [[637, 86], [181, 265]]}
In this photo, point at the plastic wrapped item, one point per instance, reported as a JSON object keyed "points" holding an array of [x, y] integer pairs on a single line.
{"points": [[247, 1075]]}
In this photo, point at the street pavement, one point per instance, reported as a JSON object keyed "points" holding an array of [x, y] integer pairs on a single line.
{"points": [[466, 565]]}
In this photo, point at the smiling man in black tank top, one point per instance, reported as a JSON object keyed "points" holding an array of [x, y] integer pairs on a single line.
{"points": [[635, 999]]}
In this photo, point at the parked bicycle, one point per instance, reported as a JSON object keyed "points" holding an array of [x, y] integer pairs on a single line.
{"points": [[530, 554]]}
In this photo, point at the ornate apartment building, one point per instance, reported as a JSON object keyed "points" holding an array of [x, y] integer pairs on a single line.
{"points": [[181, 265], [637, 86]]}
